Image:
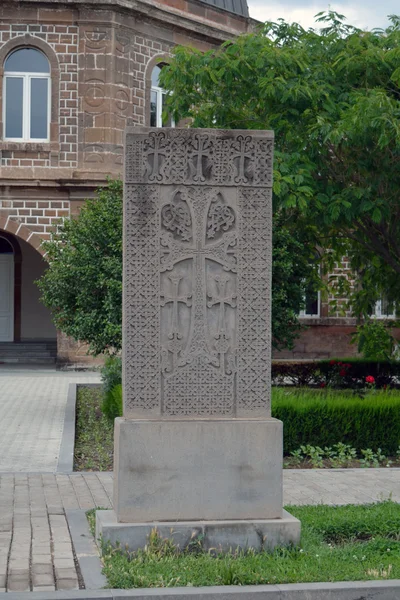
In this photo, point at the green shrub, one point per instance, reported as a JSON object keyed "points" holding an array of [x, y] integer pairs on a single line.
{"points": [[112, 403], [374, 340], [111, 375], [321, 418]]}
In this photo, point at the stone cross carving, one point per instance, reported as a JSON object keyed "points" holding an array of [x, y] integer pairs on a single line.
{"points": [[197, 273]]}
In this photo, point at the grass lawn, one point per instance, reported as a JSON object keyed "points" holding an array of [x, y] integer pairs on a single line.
{"points": [[94, 433], [348, 543]]}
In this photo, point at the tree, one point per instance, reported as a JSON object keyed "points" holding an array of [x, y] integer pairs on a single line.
{"points": [[333, 99], [83, 283]]}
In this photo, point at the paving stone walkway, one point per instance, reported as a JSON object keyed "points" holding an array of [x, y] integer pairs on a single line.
{"points": [[36, 551], [32, 407]]}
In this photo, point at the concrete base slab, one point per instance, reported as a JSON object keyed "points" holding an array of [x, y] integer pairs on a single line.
{"points": [[198, 470], [263, 534]]}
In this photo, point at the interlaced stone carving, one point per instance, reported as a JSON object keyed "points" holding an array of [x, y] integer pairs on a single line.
{"points": [[141, 299], [254, 292], [197, 273]]}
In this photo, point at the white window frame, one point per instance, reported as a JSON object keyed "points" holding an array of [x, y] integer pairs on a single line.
{"points": [[377, 314], [317, 315], [159, 96], [26, 105], [160, 92]]}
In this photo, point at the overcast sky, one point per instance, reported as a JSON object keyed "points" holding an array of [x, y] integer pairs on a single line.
{"points": [[362, 13]]}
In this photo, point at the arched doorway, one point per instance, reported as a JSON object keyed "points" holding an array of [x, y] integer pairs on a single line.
{"points": [[7, 281], [27, 333]]}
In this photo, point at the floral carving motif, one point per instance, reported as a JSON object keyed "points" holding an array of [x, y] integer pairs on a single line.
{"points": [[176, 218], [220, 216]]}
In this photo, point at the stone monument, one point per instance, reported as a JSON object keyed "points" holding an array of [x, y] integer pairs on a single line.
{"points": [[197, 451]]}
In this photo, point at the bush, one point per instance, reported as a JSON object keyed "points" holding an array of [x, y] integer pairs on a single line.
{"points": [[344, 373], [112, 406], [375, 342], [321, 418], [111, 375]]}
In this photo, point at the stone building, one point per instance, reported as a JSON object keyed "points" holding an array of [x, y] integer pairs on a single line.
{"points": [[72, 75]]}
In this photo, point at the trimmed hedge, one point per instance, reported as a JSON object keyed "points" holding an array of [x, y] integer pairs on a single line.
{"points": [[323, 418], [315, 373]]}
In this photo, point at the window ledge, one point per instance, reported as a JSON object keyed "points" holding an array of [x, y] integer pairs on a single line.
{"points": [[328, 321], [29, 146]]}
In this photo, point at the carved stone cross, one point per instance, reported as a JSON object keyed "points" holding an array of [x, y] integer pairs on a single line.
{"points": [[197, 453]]}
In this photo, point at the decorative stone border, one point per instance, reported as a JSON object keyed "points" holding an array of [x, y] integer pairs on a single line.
{"points": [[86, 550], [66, 457], [350, 590]]}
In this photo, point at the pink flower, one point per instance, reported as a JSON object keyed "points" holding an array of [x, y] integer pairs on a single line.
{"points": [[332, 362], [322, 385], [342, 372], [370, 379]]}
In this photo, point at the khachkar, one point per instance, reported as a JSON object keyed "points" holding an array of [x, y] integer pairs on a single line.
{"points": [[197, 451]]}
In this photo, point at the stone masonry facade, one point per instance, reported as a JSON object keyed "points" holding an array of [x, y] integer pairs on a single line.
{"points": [[101, 59]]}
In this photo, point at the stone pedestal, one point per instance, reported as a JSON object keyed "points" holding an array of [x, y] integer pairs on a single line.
{"points": [[197, 447]]}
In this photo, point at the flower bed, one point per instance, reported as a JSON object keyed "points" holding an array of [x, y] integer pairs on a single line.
{"points": [[336, 373]]}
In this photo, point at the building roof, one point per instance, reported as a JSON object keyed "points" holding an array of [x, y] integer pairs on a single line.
{"points": [[238, 7]]}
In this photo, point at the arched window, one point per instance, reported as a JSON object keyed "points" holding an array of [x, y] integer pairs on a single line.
{"points": [[157, 101], [27, 96]]}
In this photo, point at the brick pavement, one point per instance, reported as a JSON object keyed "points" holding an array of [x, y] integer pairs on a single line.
{"points": [[32, 408], [36, 546]]}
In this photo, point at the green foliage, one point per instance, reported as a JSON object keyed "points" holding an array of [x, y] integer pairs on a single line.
{"points": [[338, 456], [333, 99], [112, 405], [94, 433], [111, 376], [375, 341], [83, 284], [322, 418], [111, 373], [340, 543], [294, 268]]}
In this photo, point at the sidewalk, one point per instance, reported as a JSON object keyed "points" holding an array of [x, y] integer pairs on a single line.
{"points": [[32, 408]]}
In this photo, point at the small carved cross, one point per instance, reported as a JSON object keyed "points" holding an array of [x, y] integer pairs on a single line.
{"points": [[175, 335], [243, 154], [159, 141], [222, 298], [201, 150]]}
